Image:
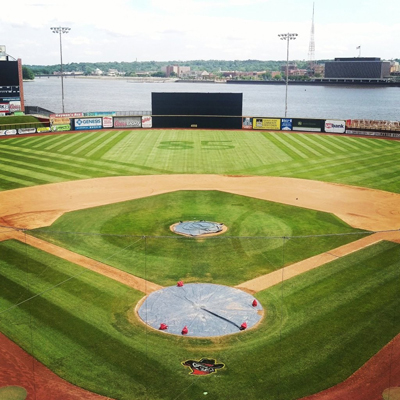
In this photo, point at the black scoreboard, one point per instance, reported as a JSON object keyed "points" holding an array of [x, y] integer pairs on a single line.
{"points": [[197, 110], [10, 96], [9, 73]]}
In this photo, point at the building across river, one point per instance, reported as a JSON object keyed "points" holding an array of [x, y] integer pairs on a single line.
{"points": [[357, 68]]}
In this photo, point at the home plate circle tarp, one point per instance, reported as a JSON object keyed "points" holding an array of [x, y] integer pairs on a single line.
{"points": [[197, 228], [200, 310]]}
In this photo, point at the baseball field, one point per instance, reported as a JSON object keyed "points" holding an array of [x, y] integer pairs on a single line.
{"points": [[312, 232]]}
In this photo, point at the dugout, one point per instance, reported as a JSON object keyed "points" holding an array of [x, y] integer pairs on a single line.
{"points": [[197, 110]]}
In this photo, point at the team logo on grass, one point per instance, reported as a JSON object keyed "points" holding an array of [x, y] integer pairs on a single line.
{"points": [[205, 366]]}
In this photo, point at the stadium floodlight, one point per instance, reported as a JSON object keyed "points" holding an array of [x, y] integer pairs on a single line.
{"points": [[288, 37], [60, 30]]}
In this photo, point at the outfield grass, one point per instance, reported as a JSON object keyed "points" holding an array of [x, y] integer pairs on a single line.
{"points": [[252, 246], [367, 162], [319, 328]]}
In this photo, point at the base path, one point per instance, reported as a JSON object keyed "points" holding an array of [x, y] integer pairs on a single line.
{"points": [[86, 262], [40, 206], [265, 281]]}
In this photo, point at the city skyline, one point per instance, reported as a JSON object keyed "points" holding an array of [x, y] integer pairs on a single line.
{"points": [[196, 29]]}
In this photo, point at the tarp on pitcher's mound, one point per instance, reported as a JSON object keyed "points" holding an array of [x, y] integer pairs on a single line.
{"points": [[197, 228], [203, 309]]}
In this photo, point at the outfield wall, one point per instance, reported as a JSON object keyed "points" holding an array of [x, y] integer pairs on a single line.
{"points": [[61, 122], [112, 120]]}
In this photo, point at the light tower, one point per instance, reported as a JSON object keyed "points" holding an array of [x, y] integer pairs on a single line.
{"points": [[288, 37], [311, 47], [60, 30]]}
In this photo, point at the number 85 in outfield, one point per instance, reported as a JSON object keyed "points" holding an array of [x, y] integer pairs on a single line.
{"points": [[203, 145]]}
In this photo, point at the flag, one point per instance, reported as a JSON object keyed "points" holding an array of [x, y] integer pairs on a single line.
{"points": [[358, 47]]}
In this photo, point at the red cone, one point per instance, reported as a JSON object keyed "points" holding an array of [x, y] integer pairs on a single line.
{"points": [[243, 326], [254, 303], [163, 327], [185, 330], [179, 284]]}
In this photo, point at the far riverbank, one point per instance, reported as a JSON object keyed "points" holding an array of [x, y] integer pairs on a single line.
{"points": [[322, 82], [151, 79]]}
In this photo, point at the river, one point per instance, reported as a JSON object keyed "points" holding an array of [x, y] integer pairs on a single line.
{"points": [[325, 102]]}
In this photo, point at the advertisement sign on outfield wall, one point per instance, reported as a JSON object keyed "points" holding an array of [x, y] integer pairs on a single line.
{"points": [[107, 122], [61, 128], [267, 123], [286, 124], [60, 121], [127, 122], [308, 125], [43, 129], [147, 122], [11, 132], [247, 123], [25, 131], [81, 124], [335, 126]]}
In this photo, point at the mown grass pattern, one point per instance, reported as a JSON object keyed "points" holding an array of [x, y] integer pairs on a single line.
{"points": [[367, 162], [118, 229], [319, 328]]}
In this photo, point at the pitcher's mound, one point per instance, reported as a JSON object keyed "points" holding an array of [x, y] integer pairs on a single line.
{"points": [[198, 228]]}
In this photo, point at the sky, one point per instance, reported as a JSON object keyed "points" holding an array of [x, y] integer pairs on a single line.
{"points": [[181, 30]]}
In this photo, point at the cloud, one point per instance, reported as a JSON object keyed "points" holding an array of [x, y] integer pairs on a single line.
{"points": [[185, 29]]}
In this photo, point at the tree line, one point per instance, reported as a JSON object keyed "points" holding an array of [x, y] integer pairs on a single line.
{"points": [[132, 68]]}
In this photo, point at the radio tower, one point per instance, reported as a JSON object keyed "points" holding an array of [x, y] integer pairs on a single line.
{"points": [[311, 47]]}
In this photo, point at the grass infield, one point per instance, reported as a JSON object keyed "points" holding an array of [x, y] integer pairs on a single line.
{"points": [[113, 234]]}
